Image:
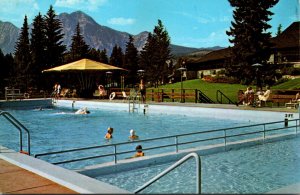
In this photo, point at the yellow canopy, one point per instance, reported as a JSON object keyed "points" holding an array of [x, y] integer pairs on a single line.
{"points": [[84, 65]]}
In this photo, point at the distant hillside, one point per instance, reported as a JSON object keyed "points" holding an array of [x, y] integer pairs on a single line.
{"points": [[8, 37], [95, 35]]}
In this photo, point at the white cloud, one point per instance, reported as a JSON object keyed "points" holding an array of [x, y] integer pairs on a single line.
{"points": [[121, 21], [205, 19], [90, 5], [15, 10], [218, 38]]}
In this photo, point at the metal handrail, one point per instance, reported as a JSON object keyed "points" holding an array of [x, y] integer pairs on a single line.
{"points": [[202, 96], [222, 95], [175, 165], [19, 126], [225, 137]]}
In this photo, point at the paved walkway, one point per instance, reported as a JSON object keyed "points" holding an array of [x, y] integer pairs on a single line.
{"points": [[16, 180]]}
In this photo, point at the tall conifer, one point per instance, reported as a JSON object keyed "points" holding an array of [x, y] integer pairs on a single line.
{"points": [[79, 49], [54, 43], [250, 37], [131, 61], [22, 56], [38, 40], [155, 54]]}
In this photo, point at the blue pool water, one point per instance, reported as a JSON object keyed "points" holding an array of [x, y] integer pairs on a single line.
{"points": [[254, 170], [60, 129]]}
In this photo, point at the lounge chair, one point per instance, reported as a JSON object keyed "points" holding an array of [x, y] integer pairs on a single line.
{"points": [[125, 97]]}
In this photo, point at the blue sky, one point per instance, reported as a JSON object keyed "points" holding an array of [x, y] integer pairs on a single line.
{"points": [[191, 23]]}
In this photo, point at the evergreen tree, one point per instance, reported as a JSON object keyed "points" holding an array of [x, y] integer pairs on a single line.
{"points": [[94, 54], [250, 38], [116, 57], [279, 30], [22, 56], [38, 39], [103, 56], [54, 44], [79, 49], [155, 54], [6, 65], [131, 61]]}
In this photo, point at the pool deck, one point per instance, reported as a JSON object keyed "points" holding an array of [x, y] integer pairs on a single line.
{"points": [[204, 105], [18, 179]]}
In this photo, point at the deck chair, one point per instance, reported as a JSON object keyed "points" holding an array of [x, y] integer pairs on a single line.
{"points": [[125, 97]]}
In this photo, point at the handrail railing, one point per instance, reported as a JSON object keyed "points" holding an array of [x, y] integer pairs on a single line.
{"points": [[176, 144], [220, 97], [204, 98], [175, 165], [19, 126]]}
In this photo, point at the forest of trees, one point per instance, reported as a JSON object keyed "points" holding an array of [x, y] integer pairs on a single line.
{"points": [[44, 48]]}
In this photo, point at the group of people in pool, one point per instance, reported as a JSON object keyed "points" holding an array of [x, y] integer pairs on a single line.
{"points": [[132, 136], [110, 131]]}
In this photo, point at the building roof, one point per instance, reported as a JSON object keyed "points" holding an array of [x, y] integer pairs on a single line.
{"points": [[288, 38], [212, 56]]}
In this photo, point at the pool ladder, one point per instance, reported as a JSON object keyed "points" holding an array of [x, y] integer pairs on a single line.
{"points": [[133, 100], [20, 127], [172, 167]]}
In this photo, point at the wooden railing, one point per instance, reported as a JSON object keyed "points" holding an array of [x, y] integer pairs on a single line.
{"points": [[172, 95]]}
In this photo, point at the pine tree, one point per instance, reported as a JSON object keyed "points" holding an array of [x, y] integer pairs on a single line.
{"points": [[116, 57], [79, 49], [250, 38], [54, 44], [131, 61], [279, 30], [22, 55], [103, 56], [38, 39], [6, 65], [155, 54]]}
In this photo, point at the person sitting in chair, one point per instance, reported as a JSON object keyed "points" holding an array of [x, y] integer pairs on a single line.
{"points": [[102, 91], [264, 97], [247, 98], [297, 98]]}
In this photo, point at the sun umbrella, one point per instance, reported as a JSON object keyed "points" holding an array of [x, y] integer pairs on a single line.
{"points": [[84, 66]]}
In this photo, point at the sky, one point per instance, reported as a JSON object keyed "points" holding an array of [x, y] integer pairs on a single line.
{"points": [[190, 23]]}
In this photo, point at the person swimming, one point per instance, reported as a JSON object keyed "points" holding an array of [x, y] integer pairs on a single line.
{"points": [[82, 111], [109, 133], [139, 152], [133, 135]]}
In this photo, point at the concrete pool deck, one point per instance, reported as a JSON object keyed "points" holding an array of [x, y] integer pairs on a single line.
{"points": [[41, 177], [16, 180]]}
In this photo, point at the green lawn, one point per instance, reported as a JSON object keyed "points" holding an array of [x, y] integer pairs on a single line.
{"points": [[230, 90], [289, 85]]}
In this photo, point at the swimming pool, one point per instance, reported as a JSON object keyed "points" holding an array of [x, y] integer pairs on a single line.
{"points": [[60, 129], [257, 169]]}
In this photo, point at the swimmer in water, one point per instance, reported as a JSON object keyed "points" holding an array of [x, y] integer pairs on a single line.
{"points": [[133, 136], [82, 111]]}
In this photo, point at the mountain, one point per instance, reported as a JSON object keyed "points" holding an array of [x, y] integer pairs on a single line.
{"points": [[95, 35], [8, 37]]}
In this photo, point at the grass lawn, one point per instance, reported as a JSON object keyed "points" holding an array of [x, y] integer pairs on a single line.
{"points": [[230, 90]]}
